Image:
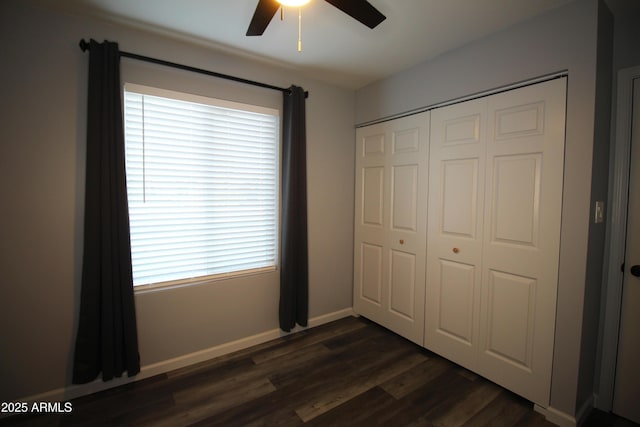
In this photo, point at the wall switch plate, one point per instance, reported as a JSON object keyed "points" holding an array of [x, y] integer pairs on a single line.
{"points": [[599, 214]]}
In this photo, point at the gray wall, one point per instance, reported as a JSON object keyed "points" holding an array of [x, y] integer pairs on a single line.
{"points": [[599, 192], [42, 136], [563, 39], [626, 39], [626, 33]]}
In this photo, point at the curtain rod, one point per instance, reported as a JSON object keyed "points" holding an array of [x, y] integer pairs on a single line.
{"points": [[84, 46]]}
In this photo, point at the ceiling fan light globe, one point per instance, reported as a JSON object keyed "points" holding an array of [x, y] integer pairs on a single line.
{"points": [[293, 3]]}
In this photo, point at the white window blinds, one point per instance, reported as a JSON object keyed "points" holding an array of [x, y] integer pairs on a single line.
{"points": [[202, 180]]}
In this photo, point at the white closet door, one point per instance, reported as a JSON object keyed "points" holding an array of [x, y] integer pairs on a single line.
{"points": [[454, 248], [524, 180], [390, 224], [495, 200]]}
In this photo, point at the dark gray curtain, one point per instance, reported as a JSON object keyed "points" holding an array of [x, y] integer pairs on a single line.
{"points": [[107, 340], [294, 271]]}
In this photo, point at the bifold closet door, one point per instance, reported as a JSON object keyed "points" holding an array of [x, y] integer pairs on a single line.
{"points": [[390, 224], [525, 169], [495, 202], [454, 249]]}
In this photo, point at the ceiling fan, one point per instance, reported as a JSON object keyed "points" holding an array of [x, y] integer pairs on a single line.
{"points": [[360, 10]]}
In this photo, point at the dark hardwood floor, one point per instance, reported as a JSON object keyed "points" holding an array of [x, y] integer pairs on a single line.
{"points": [[347, 373]]}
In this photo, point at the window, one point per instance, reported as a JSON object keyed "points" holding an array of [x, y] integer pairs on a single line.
{"points": [[202, 182]]}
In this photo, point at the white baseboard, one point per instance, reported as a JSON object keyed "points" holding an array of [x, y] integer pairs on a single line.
{"points": [[330, 317], [556, 416], [563, 419], [75, 391]]}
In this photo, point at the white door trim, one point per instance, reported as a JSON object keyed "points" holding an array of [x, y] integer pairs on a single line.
{"points": [[616, 237]]}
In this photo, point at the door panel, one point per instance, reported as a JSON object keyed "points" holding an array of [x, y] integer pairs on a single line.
{"points": [[519, 121], [371, 273], [510, 325], [402, 284], [455, 302], [373, 146], [525, 148], [459, 197], [451, 328], [461, 129], [391, 184], [406, 141], [516, 200], [372, 195], [454, 238], [404, 198]]}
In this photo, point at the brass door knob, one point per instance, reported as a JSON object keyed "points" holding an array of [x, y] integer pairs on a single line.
{"points": [[456, 250], [401, 242]]}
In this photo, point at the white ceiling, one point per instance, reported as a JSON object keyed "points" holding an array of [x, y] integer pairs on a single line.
{"points": [[336, 48]]}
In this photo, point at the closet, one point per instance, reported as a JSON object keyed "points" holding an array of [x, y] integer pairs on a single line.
{"points": [[482, 212]]}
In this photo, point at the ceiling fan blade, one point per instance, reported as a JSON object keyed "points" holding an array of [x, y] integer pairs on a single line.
{"points": [[360, 10], [262, 16]]}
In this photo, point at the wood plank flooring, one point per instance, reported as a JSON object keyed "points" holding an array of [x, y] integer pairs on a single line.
{"points": [[347, 373]]}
